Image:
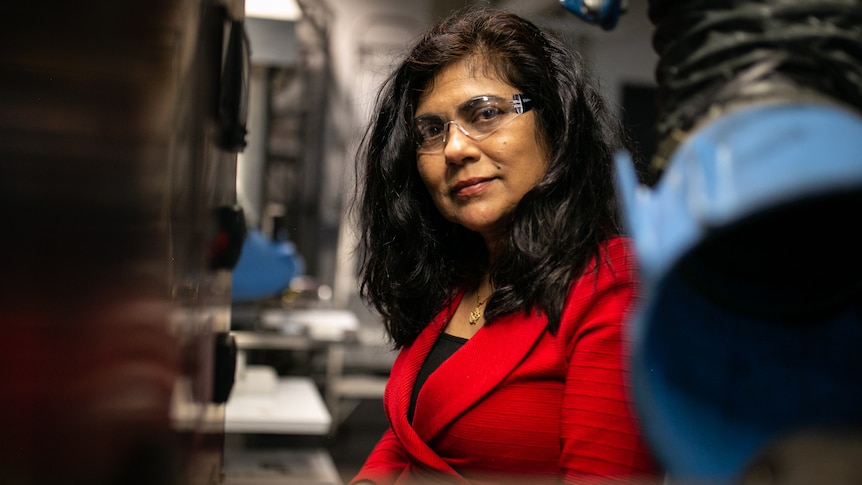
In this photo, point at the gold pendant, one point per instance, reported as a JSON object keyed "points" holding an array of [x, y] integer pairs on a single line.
{"points": [[474, 316]]}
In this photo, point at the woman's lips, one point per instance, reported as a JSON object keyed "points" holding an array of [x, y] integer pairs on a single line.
{"points": [[470, 187]]}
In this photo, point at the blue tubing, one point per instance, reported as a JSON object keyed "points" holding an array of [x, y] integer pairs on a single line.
{"points": [[749, 326]]}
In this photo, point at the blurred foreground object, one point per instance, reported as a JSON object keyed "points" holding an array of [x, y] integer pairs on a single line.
{"points": [[111, 163], [751, 325], [746, 345]]}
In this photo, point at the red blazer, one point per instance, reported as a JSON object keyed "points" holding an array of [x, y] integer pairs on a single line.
{"points": [[516, 404]]}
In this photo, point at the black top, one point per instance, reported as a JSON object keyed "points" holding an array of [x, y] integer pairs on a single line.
{"points": [[444, 347]]}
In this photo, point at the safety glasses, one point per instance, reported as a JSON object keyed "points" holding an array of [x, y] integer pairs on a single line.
{"points": [[477, 118]]}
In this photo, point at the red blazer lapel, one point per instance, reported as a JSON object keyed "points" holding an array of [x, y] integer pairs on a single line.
{"points": [[405, 369], [402, 377], [484, 362], [493, 354]]}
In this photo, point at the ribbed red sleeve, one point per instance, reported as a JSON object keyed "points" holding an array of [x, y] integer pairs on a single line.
{"points": [[600, 434]]}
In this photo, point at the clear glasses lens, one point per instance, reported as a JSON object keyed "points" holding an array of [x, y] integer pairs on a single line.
{"points": [[477, 118]]}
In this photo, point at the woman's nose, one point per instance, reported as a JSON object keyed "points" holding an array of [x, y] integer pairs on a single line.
{"points": [[446, 129], [457, 144]]}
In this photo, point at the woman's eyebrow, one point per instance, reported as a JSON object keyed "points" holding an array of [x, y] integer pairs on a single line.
{"points": [[428, 117], [472, 102], [479, 99], [465, 106]]}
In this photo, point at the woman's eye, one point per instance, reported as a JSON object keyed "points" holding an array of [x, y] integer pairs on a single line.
{"points": [[433, 130], [429, 129], [486, 114]]}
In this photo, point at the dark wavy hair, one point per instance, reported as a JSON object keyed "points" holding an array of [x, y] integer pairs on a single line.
{"points": [[411, 259]]}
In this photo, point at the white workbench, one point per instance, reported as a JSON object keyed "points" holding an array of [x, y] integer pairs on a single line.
{"points": [[263, 402], [292, 406]]}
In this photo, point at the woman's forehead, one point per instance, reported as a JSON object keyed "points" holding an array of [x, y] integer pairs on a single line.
{"points": [[459, 82]]}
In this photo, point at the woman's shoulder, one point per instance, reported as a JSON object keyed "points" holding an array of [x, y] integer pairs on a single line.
{"points": [[618, 244], [616, 255], [615, 265], [607, 286]]}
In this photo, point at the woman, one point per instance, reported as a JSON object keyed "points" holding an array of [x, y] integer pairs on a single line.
{"points": [[490, 247]]}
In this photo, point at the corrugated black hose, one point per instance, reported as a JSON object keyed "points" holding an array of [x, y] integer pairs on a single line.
{"points": [[715, 55]]}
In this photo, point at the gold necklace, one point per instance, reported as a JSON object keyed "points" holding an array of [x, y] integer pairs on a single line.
{"points": [[476, 314]]}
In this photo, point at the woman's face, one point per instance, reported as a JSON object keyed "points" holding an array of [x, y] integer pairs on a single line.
{"points": [[477, 184]]}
